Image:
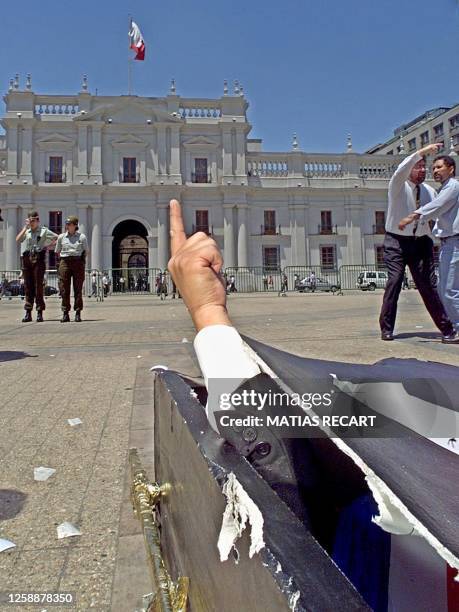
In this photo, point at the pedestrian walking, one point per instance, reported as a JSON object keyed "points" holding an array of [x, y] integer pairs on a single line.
{"points": [[35, 239], [284, 286], [94, 284], [72, 247]]}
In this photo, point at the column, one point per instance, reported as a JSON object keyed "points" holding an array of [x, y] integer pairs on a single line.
{"points": [[242, 242], [151, 251], [83, 218], [26, 159], [228, 236], [96, 238], [11, 249], [12, 148], [240, 154], [96, 165], [163, 236], [354, 233], [227, 155], [298, 238], [161, 130], [107, 252], [83, 151], [175, 152]]}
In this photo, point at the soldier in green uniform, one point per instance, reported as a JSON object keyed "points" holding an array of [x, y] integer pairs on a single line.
{"points": [[72, 248], [34, 239]]}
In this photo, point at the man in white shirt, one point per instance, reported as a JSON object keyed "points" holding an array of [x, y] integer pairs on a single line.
{"points": [[414, 249], [445, 208]]}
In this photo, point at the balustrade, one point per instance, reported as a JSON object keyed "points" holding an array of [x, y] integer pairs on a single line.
{"points": [[267, 168], [48, 107], [199, 112]]}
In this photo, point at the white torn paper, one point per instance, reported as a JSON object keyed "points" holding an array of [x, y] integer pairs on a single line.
{"points": [[139, 356], [43, 473], [6, 544], [184, 340], [158, 367], [239, 509], [419, 326], [74, 422], [67, 530]]}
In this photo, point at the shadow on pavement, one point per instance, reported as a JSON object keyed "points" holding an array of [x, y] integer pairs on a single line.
{"points": [[425, 335], [11, 503], [12, 355]]}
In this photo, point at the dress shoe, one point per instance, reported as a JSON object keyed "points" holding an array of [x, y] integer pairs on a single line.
{"points": [[387, 335], [27, 317], [39, 317], [451, 339], [78, 317], [65, 317]]}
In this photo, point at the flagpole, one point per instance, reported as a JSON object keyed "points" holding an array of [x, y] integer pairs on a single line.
{"points": [[129, 58]]}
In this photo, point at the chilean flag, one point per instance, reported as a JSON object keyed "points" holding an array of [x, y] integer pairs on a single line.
{"points": [[136, 41]]}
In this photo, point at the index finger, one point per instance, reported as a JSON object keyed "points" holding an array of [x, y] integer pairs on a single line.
{"points": [[177, 231]]}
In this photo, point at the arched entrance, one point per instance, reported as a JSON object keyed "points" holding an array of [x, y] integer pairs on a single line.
{"points": [[130, 245]]}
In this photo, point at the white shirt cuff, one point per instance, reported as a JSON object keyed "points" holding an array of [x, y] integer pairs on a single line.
{"points": [[221, 354]]}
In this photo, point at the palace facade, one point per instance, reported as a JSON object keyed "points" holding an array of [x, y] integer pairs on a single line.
{"points": [[116, 161]]}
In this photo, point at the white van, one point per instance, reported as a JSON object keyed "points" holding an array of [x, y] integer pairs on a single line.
{"points": [[371, 280]]}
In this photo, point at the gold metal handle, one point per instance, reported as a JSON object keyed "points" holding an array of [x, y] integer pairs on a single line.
{"points": [[170, 596]]}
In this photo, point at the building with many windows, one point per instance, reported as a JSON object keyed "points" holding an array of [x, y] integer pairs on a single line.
{"points": [[437, 125], [116, 161]]}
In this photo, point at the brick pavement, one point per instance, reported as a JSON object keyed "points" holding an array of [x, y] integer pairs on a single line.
{"points": [[99, 371]]}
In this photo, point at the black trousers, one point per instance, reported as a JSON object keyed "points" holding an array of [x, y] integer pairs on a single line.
{"points": [[33, 270], [417, 254]]}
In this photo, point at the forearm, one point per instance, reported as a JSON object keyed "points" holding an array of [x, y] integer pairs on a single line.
{"points": [[20, 236]]}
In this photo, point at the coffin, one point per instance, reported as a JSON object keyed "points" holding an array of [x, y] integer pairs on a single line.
{"points": [[294, 569]]}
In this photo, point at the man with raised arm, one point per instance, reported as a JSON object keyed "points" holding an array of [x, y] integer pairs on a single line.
{"points": [[414, 249], [445, 209], [195, 266]]}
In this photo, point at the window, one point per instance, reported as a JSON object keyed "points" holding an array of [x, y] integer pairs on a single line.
{"points": [[55, 174], [129, 170], [326, 222], [200, 174], [412, 144], [380, 222], [438, 130], [455, 140], [55, 225], [454, 121], [270, 222], [328, 257], [424, 138], [379, 257], [202, 221], [271, 258]]}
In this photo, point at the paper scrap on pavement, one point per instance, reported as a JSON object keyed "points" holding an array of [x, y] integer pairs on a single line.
{"points": [[67, 530], [184, 340], [74, 422], [6, 544], [42, 473], [158, 367]]}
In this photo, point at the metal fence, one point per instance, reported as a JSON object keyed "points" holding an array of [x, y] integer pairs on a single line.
{"points": [[257, 279], [253, 279]]}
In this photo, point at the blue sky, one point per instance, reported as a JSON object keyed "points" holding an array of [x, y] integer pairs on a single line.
{"points": [[321, 69]]}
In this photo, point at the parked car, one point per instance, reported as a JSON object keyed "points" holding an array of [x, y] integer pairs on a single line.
{"points": [[319, 284], [369, 280], [15, 287]]}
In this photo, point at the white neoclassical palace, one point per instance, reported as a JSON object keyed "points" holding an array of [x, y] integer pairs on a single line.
{"points": [[116, 161]]}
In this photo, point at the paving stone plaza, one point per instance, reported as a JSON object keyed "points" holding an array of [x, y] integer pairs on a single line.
{"points": [[98, 371]]}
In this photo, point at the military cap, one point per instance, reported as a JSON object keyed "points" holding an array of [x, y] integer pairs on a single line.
{"points": [[72, 219]]}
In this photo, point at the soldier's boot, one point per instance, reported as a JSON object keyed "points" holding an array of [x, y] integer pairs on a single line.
{"points": [[65, 317], [78, 316], [27, 317], [39, 316]]}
